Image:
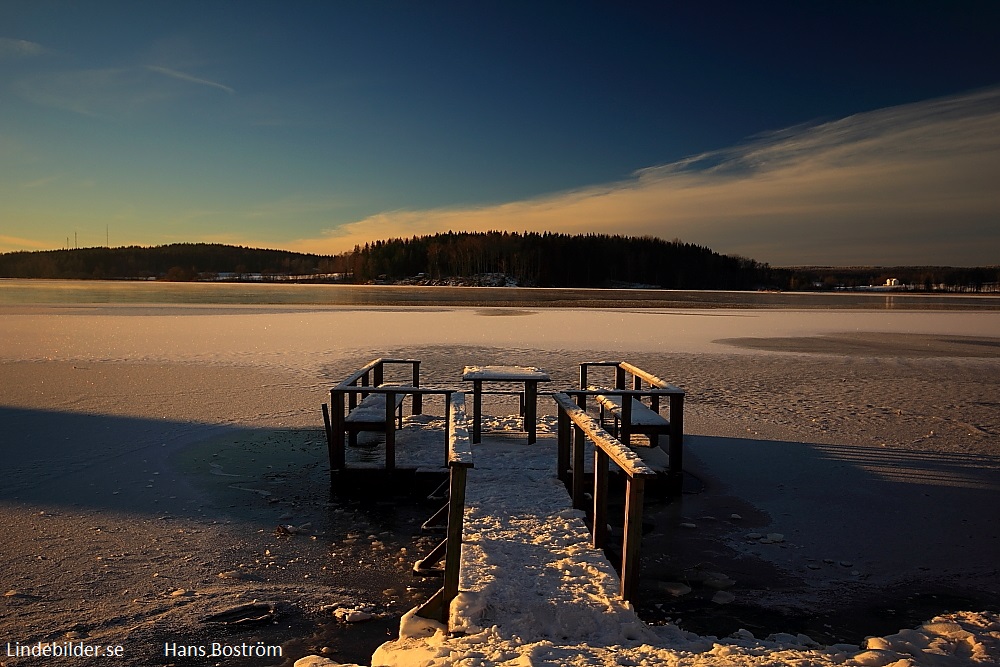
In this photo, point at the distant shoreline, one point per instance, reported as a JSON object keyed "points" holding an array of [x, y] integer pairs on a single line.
{"points": [[47, 292], [491, 259]]}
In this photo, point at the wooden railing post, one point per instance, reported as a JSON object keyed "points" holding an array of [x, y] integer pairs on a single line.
{"points": [[676, 451], [327, 427], [626, 422], [562, 445], [453, 554], [600, 527], [390, 431], [579, 440], [329, 439], [418, 399], [477, 411], [619, 377], [337, 458], [448, 408], [632, 542]]}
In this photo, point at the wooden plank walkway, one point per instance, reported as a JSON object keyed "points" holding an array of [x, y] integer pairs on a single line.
{"points": [[527, 560], [521, 534]]}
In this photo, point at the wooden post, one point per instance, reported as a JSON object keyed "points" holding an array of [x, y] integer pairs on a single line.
{"points": [[447, 424], [676, 473], [378, 374], [583, 375], [578, 489], [633, 536], [600, 528], [418, 399], [453, 555], [331, 454], [562, 450], [477, 411], [390, 431], [337, 458], [619, 377], [326, 426], [530, 410], [626, 425]]}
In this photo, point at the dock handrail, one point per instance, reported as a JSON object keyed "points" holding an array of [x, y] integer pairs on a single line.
{"points": [[335, 423], [657, 388], [459, 461], [606, 448], [373, 374]]}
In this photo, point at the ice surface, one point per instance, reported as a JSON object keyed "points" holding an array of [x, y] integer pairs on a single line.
{"points": [[305, 344]]}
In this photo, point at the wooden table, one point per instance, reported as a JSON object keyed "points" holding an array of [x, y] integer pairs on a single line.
{"points": [[529, 375]]}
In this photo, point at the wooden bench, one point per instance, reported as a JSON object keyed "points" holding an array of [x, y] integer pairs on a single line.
{"points": [[631, 415], [638, 418], [359, 403], [370, 414]]}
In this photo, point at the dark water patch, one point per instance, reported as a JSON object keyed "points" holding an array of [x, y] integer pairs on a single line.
{"points": [[687, 560], [372, 559], [877, 345], [886, 613]]}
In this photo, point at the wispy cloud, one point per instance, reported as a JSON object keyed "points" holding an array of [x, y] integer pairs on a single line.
{"points": [[38, 182], [19, 48], [100, 93], [109, 92], [182, 76], [909, 184]]}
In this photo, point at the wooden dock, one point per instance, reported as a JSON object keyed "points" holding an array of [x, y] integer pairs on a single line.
{"points": [[518, 530], [523, 545]]}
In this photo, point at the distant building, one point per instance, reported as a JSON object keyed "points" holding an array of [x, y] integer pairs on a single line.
{"points": [[892, 282]]}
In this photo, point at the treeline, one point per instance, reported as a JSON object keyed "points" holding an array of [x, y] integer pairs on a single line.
{"points": [[545, 260], [560, 260], [551, 260], [180, 261]]}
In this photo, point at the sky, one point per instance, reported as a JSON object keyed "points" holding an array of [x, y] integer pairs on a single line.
{"points": [[795, 133]]}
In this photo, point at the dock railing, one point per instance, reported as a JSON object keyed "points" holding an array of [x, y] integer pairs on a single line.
{"points": [[629, 381], [575, 426], [450, 549], [366, 381], [372, 374]]}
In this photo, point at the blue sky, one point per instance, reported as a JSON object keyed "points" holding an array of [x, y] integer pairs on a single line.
{"points": [[791, 132]]}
